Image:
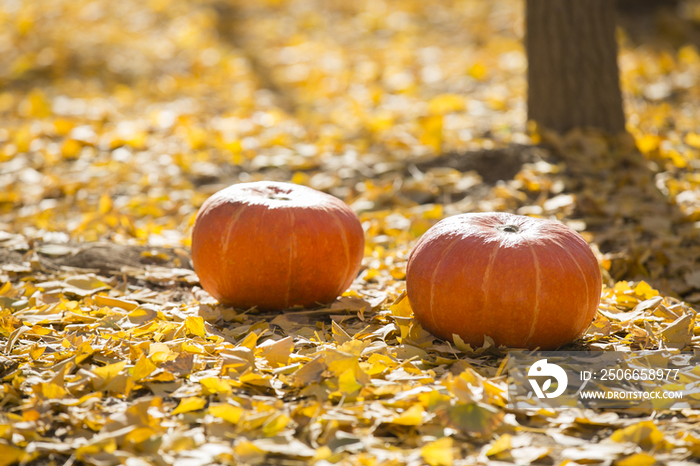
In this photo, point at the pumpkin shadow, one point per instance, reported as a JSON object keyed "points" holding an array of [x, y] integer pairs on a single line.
{"points": [[493, 165], [623, 203]]}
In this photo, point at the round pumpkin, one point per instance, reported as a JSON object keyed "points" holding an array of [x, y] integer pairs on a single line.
{"points": [[275, 245], [525, 282]]}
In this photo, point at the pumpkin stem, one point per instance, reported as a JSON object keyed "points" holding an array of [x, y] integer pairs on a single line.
{"points": [[274, 192], [509, 228]]}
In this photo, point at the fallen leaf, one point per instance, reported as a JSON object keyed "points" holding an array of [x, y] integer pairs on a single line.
{"points": [[501, 444], [143, 368], [195, 326], [637, 459], [679, 334], [227, 412], [10, 454], [277, 352], [186, 405], [439, 452], [412, 416], [645, 434]]}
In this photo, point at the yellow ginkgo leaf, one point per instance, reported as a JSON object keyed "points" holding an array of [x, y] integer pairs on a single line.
{"points": [[31, 415], [637, 459], [275, 424], [477, 71], [502, 443], [36, 351], [143, 368], [413, 416], [432, 131], [127, 305], [10, 454], [249, 341], [52, 390], [105, 204], [401, 307], [195, 326], [378, 363], [445, 103], [139, 435], [460, 344], [439, 452], [247, 452], [347, 383], [648, 143], [693, 140], [39, 106], [645, 290], [645, 434], [227, 412], [192, 403], [212, 385], [277, 352], [95, 447], [159, 352], [107, 373]]}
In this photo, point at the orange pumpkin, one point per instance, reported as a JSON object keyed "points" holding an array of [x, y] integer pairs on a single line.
{"points": [[525, 282], [275, 245]]}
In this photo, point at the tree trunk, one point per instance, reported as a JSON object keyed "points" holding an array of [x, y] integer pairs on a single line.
{"points": [[572, 65], [645, 6]]}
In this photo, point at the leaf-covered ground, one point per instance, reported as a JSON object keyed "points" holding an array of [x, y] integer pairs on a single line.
{"points": [[118, 119]]}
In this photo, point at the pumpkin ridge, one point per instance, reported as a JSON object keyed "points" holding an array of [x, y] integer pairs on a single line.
{"points": [[538, 285], [231, 224], [292, 254], [229, 229], [432, 280], [346, 245], [487, 273], [594, 264], [585, 282]]}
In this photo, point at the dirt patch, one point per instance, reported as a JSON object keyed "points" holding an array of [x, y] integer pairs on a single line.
{"points": [[105, 258], [112, 257], [9, 257], [493, 165]]}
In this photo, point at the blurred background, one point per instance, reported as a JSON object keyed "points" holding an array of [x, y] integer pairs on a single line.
{"points": [[117, 119]]}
